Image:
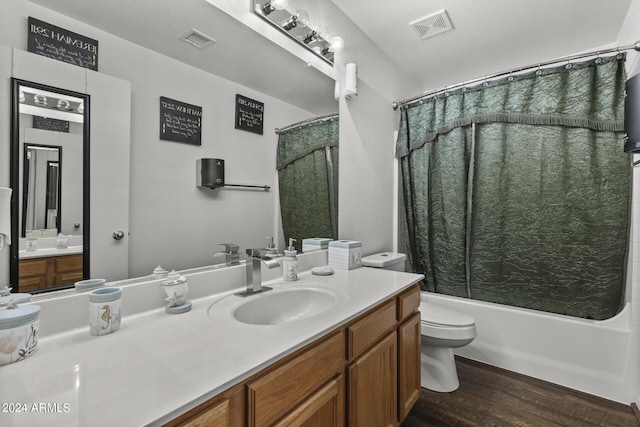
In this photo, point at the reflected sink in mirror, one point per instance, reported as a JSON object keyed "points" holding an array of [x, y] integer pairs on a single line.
{"points": [[283, 306]]}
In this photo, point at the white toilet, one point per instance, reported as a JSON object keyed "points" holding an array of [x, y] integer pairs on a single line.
{"points": [[442, 329]]}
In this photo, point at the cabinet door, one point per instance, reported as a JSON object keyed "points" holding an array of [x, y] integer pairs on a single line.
{"points": [[372, 384], [325, 408], [408, 365]]}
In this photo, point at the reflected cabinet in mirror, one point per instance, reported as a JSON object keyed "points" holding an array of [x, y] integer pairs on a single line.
{"points": [[49, 177]]}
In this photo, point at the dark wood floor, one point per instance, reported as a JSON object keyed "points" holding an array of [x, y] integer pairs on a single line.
{"points": [[490, 396]]}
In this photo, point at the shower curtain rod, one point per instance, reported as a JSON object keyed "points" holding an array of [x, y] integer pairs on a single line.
{"points": [[408, 101], [308, 121]]}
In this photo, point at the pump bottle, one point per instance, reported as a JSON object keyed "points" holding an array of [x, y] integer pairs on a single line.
{"points": [[290, 263]]}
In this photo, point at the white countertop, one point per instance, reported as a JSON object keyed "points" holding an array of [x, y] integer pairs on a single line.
{"points": [[49, 252], [157, 366]]}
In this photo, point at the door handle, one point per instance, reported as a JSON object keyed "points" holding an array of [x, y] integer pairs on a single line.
{"points": [[118, 235]]}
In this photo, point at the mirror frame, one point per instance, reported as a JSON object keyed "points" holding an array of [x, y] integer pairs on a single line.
{"points": [[15, 180]]}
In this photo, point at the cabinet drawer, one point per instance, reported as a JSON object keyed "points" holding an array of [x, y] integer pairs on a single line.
{"points": [[362, 334], [66, 264], [216, 416], [33, 267], [67, 278], [272, 396], [408, 303]]}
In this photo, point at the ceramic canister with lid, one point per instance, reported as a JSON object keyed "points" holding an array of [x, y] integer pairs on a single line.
{"points": [[104, 310], [18, 332]]}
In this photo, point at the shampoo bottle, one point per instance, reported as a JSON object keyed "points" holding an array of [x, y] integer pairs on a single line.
{"points": [[290, 263]]}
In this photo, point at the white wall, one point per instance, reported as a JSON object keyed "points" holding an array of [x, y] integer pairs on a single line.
{"points": [[367, 123], [172, 222]]}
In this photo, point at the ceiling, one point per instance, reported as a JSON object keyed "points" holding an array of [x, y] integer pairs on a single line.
{"points": [[489, 36]]}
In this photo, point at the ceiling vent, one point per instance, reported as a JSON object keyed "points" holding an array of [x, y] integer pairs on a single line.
{"points": [[432, 25], [198, 39]]}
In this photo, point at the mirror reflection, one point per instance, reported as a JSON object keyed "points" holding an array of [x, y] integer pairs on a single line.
{"points": [[42, 190], [49, 141]]}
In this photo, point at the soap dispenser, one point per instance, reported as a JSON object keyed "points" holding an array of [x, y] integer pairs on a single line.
{"points": [[290, 263], [271, 247]]}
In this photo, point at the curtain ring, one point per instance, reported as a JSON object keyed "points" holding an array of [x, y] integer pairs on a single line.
{"points": [[539, 72], [446, 92], [619, 55], [510, 78], [598, 59], [485, 83], [569, 65]]}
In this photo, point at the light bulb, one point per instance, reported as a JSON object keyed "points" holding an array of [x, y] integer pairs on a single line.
{"points": [[303, 17], [336, 44], [279, 4]]}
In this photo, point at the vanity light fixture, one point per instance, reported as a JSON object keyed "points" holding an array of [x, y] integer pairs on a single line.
{"points": [[298, 26], [290, 23], [310, 37]]}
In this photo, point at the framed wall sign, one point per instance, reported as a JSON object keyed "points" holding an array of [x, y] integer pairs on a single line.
{"points": [[47, 123], [249, 114], [180, 122], [57, 43]]}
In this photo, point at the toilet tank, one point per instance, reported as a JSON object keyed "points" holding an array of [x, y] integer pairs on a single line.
{"points": [[385, 260]]}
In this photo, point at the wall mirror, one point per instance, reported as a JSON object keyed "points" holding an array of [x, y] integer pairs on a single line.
{"points": [[49, 177]]}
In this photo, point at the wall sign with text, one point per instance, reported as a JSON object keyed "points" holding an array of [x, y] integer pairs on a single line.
{"points": [[180, 122], [66, 46], [249, 114], [47, 123]]}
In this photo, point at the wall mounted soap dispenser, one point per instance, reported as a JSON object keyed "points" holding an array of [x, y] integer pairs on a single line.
{"points": [[210, 173]]}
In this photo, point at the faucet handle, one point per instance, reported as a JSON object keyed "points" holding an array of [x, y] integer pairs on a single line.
{"points": [[254, 252], [230, 247]]}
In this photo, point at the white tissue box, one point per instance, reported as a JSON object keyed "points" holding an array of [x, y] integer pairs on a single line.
{"points": [[315, 243], [345, 254]]}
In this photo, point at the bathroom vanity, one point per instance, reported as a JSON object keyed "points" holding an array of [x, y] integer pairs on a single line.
{"points": [[216, 366], [49, 271], [373, 358]]}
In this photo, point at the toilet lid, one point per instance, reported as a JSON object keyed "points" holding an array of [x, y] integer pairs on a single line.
{"points": [[445, 316]]}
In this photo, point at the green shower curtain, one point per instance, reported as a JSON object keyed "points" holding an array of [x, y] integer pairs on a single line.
{"points": [[517, 191], [303, 179]]}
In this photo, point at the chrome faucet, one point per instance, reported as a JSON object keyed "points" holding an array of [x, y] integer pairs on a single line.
{"points": [[231, 255], [255, 259]]}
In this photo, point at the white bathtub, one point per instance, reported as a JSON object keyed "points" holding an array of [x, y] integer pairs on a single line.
{"points": [[592, 356]]}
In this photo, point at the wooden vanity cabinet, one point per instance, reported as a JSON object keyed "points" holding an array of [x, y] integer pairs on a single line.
{"points": [[408, 351], [365, 373], [46, 272], [384, 378]]}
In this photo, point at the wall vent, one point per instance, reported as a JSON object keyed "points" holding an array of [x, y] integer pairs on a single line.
{"points": [[432, 25], [198, 39]]}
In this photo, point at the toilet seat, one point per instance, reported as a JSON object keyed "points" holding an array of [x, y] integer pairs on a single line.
{"points": [[440, 316], [441, 322]]}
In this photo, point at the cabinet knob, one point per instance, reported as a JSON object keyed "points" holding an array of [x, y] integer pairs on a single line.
{"points": [[118, 235]]}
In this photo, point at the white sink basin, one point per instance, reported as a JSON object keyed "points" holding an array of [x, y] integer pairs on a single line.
{"points": [[286, 305]]}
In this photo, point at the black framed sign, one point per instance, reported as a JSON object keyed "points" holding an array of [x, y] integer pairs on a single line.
{"points": [[66, 46], [180, 122], [47, 123], [249, 114]]}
